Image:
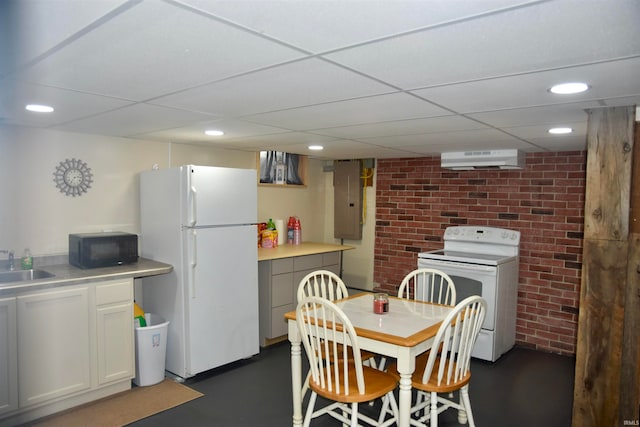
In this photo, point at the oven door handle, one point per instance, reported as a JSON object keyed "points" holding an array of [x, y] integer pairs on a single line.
{"points": [[457, 265]]}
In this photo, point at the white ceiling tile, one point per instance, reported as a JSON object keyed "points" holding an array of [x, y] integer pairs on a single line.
{"points": [[403, 127], [347, 149], [292, 142], [307, 82], [134, 120], [125, 59], [319, 26], [567, 143], [517, 41], [476, 137], [538, 131], [618, 77], [357, 111], [31, 28], [551, 115], [69, 105], [288, 138], [233, 129]]}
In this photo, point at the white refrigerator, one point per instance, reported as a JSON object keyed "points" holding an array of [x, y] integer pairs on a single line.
{"points": [[202, 221]]}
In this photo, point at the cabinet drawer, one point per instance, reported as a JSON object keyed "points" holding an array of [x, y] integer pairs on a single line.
{"points": [[117, 291], [330, 258], [284, 265], [307, 262], [279, 324], [282, 289]]}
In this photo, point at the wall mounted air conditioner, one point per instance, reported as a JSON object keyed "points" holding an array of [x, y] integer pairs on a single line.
{"points": [[487, 159]]}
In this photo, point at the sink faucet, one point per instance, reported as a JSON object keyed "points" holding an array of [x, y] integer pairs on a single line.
{"points": [[11, 259]]}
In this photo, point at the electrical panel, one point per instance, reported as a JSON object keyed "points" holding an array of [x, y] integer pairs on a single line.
{"points": [[347, 203]]}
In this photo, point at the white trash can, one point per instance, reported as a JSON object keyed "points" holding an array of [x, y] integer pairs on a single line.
{"points": [[151, 350]]}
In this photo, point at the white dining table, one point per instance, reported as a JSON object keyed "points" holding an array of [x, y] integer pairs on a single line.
{"points": [[403, 333]]}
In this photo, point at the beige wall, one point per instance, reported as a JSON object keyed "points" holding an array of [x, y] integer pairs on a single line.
{"points": [[34, 214]]}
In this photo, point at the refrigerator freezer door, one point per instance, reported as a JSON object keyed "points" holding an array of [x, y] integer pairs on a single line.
{"points": [[221, 296], [219, 196]]}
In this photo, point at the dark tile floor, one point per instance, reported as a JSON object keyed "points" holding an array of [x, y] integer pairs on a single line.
{"points": [[523, 388]]}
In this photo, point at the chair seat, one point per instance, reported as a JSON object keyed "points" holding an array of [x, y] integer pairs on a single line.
{"points": [[377, 384], [432, 384]]}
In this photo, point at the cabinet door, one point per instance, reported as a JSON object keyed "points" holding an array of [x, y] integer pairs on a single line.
{"points": [[54, 344], [282, 289], [8, 356], [279, 325], [115, 342]]}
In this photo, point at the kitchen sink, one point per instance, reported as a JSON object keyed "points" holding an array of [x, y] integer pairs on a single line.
{"points": [[23, 275]]}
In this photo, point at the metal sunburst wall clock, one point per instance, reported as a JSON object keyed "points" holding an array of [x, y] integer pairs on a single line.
{"points": [[73, 177]]}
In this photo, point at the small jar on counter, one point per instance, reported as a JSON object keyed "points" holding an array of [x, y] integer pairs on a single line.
{"points": [[380, 303]]}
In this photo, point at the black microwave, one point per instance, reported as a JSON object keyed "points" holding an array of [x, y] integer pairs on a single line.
{"points": [[93, 250]]}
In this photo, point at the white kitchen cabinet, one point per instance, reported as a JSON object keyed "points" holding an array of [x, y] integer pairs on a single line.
{"points": [[278, 282], [8, 356], [114, 331], [75, 344], [54, 338]]}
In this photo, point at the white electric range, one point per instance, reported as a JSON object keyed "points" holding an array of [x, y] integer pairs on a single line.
{"points": [[483, 261]]}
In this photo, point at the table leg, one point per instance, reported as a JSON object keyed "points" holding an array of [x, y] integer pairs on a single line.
{"points": [[296, 375], [406, 366]]}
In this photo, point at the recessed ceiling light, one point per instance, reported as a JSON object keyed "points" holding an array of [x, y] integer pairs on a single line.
{"points": [[569, 88], [316, 147], [213, 132], [36, 108], [560, 131]]}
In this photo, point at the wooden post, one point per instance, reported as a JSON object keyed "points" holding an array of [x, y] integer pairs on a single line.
{"points": [[630, 367], [602, 321]]}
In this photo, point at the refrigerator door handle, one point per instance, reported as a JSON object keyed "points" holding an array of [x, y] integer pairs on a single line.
{"points": [[194, 218], [194, 263]]}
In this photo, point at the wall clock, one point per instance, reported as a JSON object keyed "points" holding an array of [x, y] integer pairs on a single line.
{"points": [[73, 177]]}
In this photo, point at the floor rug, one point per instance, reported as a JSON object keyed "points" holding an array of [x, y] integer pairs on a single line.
{"points": [[123, 408]]}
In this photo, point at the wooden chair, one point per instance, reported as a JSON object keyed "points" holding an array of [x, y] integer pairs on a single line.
{"points": [[426, 284], [326, 284], [448, 369], [327, 334]]}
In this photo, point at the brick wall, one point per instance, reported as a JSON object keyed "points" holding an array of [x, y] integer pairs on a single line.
{"points": [[416, 200]]}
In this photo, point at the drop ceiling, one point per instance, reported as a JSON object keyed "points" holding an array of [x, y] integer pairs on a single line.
{"points": [[363, 78]]}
